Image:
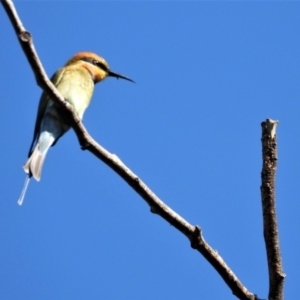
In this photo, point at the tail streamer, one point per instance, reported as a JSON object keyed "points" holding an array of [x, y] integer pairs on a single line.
{"points": [[21, 199]]}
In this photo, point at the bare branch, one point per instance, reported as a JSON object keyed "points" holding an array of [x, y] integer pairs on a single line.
{"points": [[269, 150], [193, 233]]}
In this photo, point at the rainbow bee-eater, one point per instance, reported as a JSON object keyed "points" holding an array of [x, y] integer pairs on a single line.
{"points": [[75, 81]]}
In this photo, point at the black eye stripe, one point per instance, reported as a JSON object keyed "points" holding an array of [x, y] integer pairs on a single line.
{"points": [[95, 63], [101, 65]]}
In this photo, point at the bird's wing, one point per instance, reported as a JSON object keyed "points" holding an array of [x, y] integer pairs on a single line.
{"points": [[55, 79]]}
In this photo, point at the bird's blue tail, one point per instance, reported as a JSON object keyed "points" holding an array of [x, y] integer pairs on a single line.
{"points": [[34, 164]]}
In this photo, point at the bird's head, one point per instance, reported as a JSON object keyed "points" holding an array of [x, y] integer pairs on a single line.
{"points": [[96, 65]]}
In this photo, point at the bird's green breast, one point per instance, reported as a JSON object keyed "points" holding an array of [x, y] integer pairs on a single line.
{"points": [[76, 86]]}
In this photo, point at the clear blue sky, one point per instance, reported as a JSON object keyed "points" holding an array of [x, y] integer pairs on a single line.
{"points": [[207, 73]]}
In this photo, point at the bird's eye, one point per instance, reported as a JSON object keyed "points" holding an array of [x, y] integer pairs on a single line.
{"points": [[101, 65]]}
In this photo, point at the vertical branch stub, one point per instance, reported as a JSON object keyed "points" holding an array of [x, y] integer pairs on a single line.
{"points": [[270, 226]]}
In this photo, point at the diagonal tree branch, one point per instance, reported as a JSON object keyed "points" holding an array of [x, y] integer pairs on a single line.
{"points": [[269, 151], [193, 233]]}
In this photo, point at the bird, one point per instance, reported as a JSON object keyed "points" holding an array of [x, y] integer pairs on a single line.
{"points": [[75, 81]]}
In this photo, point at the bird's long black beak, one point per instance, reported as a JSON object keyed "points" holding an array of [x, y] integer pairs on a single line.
{"points": [[113, 74]]}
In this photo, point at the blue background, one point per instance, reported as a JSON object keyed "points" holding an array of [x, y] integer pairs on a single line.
{"points": [[207, 73]]}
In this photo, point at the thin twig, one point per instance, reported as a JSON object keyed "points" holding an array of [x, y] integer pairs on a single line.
{"points": [[269, 151], [193, 233]]}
